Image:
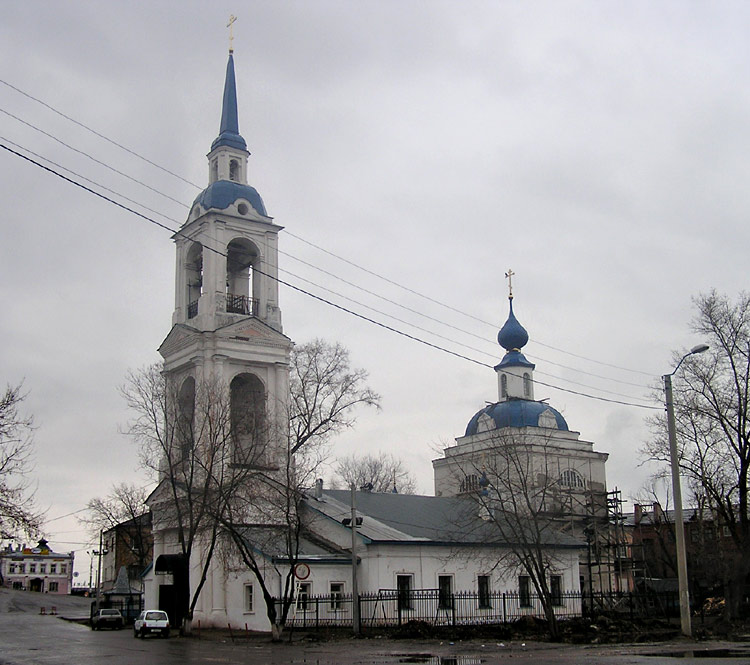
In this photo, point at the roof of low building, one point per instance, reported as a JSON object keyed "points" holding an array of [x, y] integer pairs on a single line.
{"points": [[419, 519]]}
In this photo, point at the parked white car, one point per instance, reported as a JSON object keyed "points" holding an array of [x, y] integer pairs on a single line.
{"points": [[151, 621]]}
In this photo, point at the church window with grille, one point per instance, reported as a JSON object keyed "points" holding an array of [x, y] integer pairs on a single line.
{"points": [[469, 484], [571, 478]]}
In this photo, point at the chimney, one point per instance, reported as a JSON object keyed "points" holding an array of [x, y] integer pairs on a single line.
{"points": [[658, 514], [637, 513], [319, 488]]}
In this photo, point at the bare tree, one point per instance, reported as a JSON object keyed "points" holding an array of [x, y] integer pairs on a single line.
{"points": [[378, 473], [17, 511], [198, 456], [515, 485], [125, 507], [268, 523], [712, 412]]}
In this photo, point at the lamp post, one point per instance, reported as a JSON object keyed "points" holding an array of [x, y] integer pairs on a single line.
{"points": [[679, 523]]}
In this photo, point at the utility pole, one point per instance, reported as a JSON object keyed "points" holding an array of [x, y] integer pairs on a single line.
{"points": [[355, 586], [679, 522]]}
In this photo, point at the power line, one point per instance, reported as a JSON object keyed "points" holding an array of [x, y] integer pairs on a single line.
{"points": [[101, 136], [441, 322], [458, 311], [93, 159], [340, 258], [89, 180], [303, 291], [430, 332]]}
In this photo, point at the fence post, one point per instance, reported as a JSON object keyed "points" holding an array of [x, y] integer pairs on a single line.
{"points": [[317, 613], [453, 608], [630, 605], [505, 616]]}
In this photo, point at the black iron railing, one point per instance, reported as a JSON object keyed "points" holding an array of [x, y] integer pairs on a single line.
{"points": [[393, 608], [242, 305]]}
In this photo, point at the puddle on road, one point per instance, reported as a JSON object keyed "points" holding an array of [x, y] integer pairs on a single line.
{"points": [[702, 653], [429, 659]]}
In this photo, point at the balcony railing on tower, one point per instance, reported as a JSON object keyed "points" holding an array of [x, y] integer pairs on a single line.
{"points": [[242, 305]]}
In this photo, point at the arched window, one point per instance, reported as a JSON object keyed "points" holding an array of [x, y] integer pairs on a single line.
{"points": [[247, 403], [571, 478], [215, 170], [503, 385], [185, 417], [243, 291], [234, 170], [526, 384], [194, 278]]}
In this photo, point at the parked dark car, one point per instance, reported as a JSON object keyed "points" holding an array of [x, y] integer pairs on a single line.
{"points": [[107, 619]]}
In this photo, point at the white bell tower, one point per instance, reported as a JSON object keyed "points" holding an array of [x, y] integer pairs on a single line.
{"points": [[226, 325]]}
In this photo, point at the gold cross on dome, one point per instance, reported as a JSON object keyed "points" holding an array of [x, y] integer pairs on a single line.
{"points": [[232, 19], [509, 276]]}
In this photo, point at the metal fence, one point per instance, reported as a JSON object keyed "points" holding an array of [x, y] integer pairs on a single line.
{"points": [[390, 607]]}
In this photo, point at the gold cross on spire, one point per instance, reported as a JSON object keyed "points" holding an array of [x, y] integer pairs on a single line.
{"points": [[509, 276], [232, 19]]}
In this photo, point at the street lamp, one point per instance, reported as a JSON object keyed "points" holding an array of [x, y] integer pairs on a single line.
{"points": [[679, 523]]}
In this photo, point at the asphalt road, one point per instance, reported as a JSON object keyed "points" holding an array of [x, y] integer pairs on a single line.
{"points": [[30, 638]]}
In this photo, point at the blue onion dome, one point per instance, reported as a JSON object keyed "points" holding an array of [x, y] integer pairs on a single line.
{"points": [[512, 336], [516, 413], [223, 193]]}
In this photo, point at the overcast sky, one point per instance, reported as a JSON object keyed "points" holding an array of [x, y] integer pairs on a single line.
{"points": [[599, 149]]}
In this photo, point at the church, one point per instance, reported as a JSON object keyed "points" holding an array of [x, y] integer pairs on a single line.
{"points": [[227, 331]]}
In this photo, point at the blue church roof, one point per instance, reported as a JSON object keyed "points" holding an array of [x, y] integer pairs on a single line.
{"points": [[516, 413], [224, 193], [229, 131]]}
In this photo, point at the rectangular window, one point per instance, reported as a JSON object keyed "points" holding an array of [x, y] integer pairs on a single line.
{"points": [[12, 568], [53, 568], [32, 568], [63, 569], [337, 591], [403, 586], [445, 592], [305, 590], [42, 568], [483, 590], [524, 590], [21, 568], [555, 589], [53, 586], [249, 598]]}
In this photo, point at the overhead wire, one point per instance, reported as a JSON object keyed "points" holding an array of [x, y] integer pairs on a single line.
{"points": [[99, 134], [177, 232], [364, 290], [332, 254]]}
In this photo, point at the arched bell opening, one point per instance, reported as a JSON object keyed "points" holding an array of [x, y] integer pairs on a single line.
{"points": [[242, 285], [194, 278], [186, 417], [248, 419]]}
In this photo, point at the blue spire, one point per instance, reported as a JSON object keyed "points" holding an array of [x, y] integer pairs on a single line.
{"points": [[229, 132]]}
